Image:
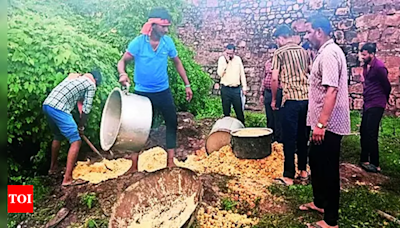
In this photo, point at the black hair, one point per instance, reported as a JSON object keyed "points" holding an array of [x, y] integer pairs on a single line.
{"points": [[369, 47], [320, 22], [231, 47], [97, 76], [283, 30], [272, 46], [160, 12]]}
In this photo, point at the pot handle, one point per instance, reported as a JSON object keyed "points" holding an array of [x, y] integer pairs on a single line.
{"points": [[126, 88]]}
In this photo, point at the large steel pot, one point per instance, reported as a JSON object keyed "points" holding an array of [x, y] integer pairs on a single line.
{"points": [[248, 145], [220, 134], [125, 122]]}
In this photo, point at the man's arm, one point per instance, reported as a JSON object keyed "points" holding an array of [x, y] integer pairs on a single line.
{"points": [[383, 78], [243, 78], [331, 69], [123, 76], [276, 67], [222, 65], [181, 71], [87, 106], [329, 104]]}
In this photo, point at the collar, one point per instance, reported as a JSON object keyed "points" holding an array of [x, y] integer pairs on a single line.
{"points": [[330, 41]]}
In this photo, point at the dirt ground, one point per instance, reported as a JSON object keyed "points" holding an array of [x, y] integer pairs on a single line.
{"points": [[191, 137]]}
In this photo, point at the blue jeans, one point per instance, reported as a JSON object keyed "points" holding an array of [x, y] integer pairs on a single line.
{"points": [[295, 135], [62, 124]]}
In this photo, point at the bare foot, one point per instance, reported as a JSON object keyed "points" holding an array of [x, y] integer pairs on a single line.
{"points": [[303, 174], [321, 224], [284, 181], [67, 183], [311, 206]]}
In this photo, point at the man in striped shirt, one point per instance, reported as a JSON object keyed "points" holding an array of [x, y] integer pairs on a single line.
{"points": [[76, 89], [290, 66]]}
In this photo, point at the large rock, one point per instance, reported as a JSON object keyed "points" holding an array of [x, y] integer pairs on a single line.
{"points": [[356, 88], [345, 24]]}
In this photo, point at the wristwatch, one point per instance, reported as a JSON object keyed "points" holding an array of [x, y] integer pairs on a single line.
{"points": [[187, 86], [320, 126]]}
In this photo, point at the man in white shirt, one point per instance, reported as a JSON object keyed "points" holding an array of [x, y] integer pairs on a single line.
{"points": [[233, 81]]}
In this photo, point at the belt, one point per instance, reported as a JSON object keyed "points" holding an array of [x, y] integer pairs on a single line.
{"points": [[231, 86]]}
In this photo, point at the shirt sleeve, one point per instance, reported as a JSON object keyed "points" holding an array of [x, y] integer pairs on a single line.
{"points": [[330, 66], [221, 66], [134, 46], [382, 74], [172, 52], [276, 62], [243, 76], [88, 101]]}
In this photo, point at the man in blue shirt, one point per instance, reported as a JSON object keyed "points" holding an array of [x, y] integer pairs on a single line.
{"points": [[150, 51]]}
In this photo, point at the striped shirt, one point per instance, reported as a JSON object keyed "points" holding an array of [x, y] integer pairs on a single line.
{"points": [[292, 62], [65, 95]]}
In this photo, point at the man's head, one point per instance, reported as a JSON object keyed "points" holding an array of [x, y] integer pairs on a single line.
{"points": [[318, 30], [97, 76], [230, 51], [283, 34], [367, 52], [160, 13]]}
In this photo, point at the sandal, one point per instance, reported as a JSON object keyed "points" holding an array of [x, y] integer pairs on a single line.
{"points": [[75, 183], [307, 207], [313, 225], [369, 168], [281, 181]]}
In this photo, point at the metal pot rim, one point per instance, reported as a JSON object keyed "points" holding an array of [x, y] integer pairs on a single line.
{"points": [[250, 136], [102, 129]]}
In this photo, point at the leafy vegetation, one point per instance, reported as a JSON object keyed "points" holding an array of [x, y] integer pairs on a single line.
{"points": [[88, 199], [228, 204]]}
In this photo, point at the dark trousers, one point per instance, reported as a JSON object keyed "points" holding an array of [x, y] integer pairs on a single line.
{"points": [[295, 135], [232, 96], [325, 179], [369, 135], [164, 103], [274, 116]]}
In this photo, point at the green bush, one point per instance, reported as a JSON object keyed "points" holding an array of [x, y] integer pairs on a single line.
{"points": [[41, 53]]}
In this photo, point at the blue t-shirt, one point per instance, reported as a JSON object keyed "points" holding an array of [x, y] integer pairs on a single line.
{"points": [[150, 74]]}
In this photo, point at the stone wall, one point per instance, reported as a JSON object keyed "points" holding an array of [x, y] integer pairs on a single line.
{"points": [[209, 25]]}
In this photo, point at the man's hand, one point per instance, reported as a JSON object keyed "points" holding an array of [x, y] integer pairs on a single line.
{"points": [[124, 79], [245, 92], [189, 94], [318, 135], [261, 100], [227, 57], [273, 105]]}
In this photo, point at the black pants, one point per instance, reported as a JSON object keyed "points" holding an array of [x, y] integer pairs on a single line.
{"points": [[164, 103], [274, 116], [369, 135], [295, 135], [232, 96], [325, 179]]}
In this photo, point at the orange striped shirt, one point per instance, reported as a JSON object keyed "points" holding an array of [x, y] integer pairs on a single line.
{"points": [[292, 62]]}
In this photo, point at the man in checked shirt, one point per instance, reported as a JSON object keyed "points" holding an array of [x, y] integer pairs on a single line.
{"points": [[273, 116], [75, 89]]}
